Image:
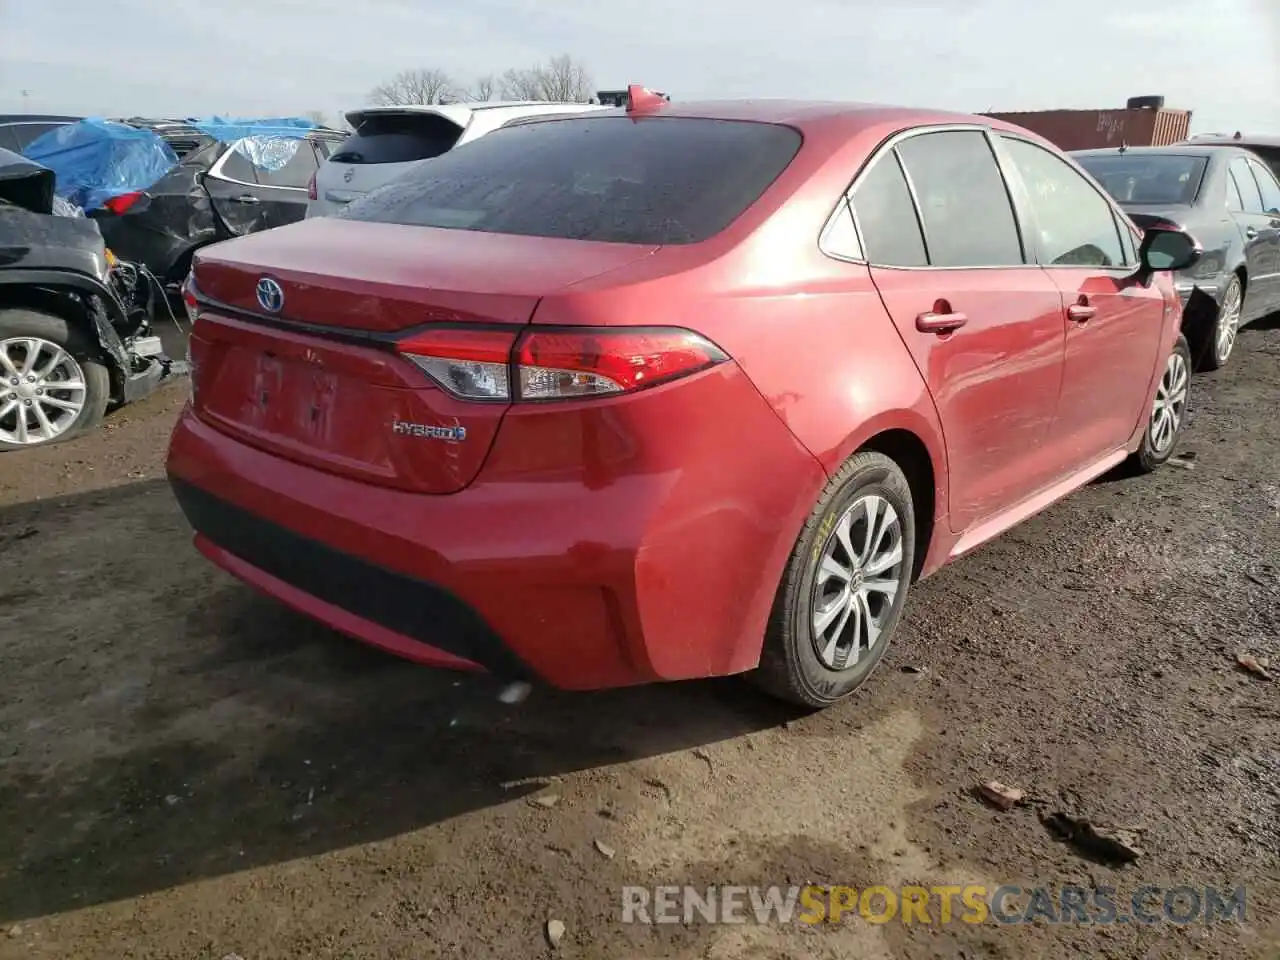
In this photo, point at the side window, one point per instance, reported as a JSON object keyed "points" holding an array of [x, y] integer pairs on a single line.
{"points": [[1247, 186], [296, 172], [840, 239], [887, 217], [1267, 186], [236, 166], [1077, 227], [964, 205], [1235, 202]]}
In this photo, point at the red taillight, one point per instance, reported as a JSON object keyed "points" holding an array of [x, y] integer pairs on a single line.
{"points": [[311, 187], [123, 202], [557, 364], [583, 363], [189, 297], [472, 364]]}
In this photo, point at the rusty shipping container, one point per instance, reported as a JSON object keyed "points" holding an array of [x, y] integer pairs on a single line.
{"points": [[1144, 122]]}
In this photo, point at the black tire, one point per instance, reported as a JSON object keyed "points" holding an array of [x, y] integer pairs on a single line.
{"points": [[1209, 359], [1149, 456], [790, 666], [18, 322]]}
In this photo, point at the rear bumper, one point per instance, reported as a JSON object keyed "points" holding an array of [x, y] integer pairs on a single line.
{"points": [[584, 581]]}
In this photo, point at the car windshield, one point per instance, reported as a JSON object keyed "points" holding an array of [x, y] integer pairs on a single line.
{"points": [[1158, 178], [617, 179]]}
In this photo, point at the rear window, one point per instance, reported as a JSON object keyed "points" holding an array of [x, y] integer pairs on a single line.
{"points": [[614, 179], [1155, 178], [398, 138]]}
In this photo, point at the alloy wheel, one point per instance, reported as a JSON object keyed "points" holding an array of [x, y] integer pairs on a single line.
{"points": [[859, 575], [1228, 322], [42, 391], [1171, 403]]}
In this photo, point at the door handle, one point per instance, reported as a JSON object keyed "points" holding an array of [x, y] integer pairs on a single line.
{"points": [[1081, 312], [1251, 233], [940, 322], [245, 198]]}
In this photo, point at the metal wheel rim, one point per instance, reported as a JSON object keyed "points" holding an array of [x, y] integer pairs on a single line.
{"points": [[1228, 322], [42, 391], [1171, 403], [857, 581]]}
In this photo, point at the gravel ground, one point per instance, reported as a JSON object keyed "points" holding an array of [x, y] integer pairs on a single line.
{"points": [[189, 771]]}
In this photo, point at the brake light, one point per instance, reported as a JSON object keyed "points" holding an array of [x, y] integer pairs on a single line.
{"points": [[557, 364], [189, 300], [582, 363], [122, 203], [472, 364], [311, 187]]}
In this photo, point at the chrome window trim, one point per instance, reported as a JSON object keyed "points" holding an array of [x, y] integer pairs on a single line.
{"points": [[889, 145]]}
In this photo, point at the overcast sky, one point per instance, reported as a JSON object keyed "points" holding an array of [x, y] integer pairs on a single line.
{"points": [[1220, 58]]}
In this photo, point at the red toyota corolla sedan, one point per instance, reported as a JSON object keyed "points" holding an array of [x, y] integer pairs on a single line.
{"points": [[672, 391]]}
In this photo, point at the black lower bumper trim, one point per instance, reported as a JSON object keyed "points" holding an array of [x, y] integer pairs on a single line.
{"points": [[416, 608]]}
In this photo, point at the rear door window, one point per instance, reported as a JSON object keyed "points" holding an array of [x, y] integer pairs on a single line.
{"points": [[964, 205], [614, 179], [887, 217], [398, 138], [234, 165], [1077, 226], [1246, 185], [1235, 202], [1267, 187], [296, 173]]}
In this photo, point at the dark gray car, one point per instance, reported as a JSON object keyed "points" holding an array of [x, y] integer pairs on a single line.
{"points": [[1229, 200]]}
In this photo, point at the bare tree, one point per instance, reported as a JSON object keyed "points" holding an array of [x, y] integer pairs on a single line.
{"points": [[484, 88], [525, 84], [318, 117], [414, 86], [562, 80]]}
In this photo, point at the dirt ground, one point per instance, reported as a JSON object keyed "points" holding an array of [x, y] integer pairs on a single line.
{"points": [[189, 771]]}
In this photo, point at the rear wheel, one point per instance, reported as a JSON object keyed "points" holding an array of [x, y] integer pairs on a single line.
{"points": [[1226, 327], [52, 385], [1168, 412], [845, 586]]}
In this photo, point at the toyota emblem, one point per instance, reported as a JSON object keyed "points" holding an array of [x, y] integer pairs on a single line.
{"points": [[270, 295]]}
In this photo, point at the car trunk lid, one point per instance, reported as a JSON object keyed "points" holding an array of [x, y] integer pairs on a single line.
{"points": [[318, 380]]}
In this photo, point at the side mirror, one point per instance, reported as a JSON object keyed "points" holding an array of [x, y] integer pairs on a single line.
{"points": [[1167, 251]]}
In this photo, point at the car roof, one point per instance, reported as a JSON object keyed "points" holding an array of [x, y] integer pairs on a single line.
{"points": [[1242, 139], [822, 116], [1184, 149], [461, 113]]}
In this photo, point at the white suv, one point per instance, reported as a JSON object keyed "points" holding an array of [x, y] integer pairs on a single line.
{"points": [[390, 140]]}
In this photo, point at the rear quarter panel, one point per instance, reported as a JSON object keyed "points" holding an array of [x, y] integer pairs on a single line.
{"points": [[811, 332]]}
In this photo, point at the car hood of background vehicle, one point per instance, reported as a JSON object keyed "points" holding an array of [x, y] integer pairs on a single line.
{"points": [[383, 277]]}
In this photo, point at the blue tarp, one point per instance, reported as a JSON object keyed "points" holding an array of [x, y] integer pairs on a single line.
{"points": [[95, 160], [268, 144]]}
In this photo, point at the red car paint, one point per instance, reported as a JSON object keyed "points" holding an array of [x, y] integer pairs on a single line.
{"points": [[617, 539]]}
